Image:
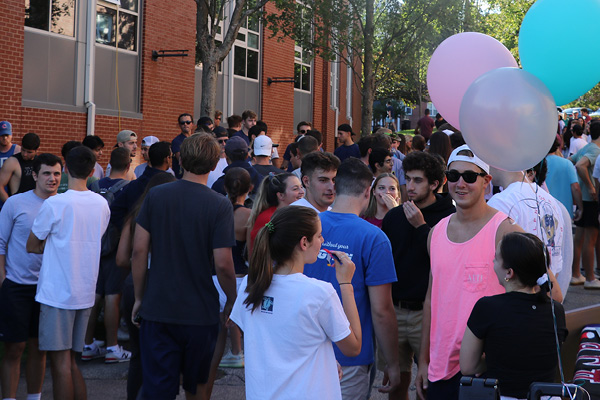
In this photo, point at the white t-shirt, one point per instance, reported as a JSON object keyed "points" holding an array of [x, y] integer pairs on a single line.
{"points": [[217, 173], [524, 202], [576, 144], [72, 224], [305, 203], [287, 340]]}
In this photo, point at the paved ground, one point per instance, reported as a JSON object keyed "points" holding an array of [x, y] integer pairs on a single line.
{"points": [[109, 381]]}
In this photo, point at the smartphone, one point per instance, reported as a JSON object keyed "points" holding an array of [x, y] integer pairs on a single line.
{"points": [[138, 318]]}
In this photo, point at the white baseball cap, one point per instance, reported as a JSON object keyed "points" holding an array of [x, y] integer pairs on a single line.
{"points": [[149, 141], [263, 145], [473, 160]]}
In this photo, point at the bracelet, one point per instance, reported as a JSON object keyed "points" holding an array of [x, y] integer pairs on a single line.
{"points": [[345, 283]]}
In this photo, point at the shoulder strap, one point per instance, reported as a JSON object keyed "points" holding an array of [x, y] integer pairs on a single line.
{"points": [[118, 186]]}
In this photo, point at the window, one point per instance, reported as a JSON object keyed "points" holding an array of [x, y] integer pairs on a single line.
{"points": [[118, 24], [246, 48], [302, 57], [56, 16]]}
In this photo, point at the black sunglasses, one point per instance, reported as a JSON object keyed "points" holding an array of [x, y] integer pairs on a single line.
{"points": [[222, 141], [468, 176], [185, 122], [303, 131]]}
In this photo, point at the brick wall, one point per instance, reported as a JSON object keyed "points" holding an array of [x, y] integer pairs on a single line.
{"points": [[167, 85], [277, 102]]}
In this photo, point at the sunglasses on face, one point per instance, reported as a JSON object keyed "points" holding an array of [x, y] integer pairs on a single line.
{"points": [[222, 141], [303, 131], [468, 176], [185, 122]]}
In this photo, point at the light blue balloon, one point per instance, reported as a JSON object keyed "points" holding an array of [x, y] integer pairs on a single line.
{"points": [[556, 44]]}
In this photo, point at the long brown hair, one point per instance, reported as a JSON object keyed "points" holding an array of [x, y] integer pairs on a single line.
{"points": [[274, 245], [371, 210]]}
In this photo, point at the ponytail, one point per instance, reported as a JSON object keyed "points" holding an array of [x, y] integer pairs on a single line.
{"points": [[275, 245]]}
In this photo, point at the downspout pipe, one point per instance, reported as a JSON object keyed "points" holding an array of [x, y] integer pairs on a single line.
{"points": [[90, 55]]}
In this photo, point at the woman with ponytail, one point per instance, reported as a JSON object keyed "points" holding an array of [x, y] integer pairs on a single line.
{"points": [[289, 320], [275, 191], [511, 336]]}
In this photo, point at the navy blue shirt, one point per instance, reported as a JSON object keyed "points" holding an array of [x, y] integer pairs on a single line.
{"points": [[219, 185], [175, 148], [344, 152], [243, 136], [126, 198]]}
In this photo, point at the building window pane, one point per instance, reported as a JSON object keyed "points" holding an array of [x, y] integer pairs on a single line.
{"points": [[305, 77], [131, 5], [297, 76], [63, 17], [253, 23], [241, 37], [36, 14], [57, 16], [127, 31], [253, 40], [239, 61], [252, 64], [106, 25]]}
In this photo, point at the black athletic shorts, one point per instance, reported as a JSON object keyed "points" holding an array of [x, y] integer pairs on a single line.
{"points": [[19, 312], [110, 276], [589, 216]]}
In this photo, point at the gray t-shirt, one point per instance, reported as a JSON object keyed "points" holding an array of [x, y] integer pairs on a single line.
{"points": [[16, 219], [186, 221]]}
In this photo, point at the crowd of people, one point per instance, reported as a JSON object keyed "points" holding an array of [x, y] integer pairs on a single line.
{"points": [[318, 269]]}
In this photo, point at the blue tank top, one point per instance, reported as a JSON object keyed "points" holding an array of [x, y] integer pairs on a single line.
{"points": [[6, 154]]}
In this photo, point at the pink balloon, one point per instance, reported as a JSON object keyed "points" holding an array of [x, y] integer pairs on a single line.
{"points": [[456, 63]]}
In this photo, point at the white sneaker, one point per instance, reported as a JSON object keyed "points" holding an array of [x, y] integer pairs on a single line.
{"points": [[231, 360], [115, 356], [95, 350], [592, 285]]}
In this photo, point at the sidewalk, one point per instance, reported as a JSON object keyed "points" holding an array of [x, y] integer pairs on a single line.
{"points": [[109, 381]]}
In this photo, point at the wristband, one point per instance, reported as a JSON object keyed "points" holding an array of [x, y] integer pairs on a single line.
{"points": [[345, 283]]}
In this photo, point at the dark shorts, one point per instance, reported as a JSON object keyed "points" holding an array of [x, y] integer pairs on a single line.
{"points": [[169, 350], [110, 276], [19, 312], [447, 389], [589, 216]]}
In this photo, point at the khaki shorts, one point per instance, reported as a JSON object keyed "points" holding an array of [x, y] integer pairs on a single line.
{"points": [[409, 339]]}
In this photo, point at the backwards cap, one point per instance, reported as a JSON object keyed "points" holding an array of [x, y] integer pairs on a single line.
{"points": [[473, 160]]}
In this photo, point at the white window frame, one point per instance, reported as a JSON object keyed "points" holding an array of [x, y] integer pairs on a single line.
{"points": [[299, 58], [244, 44], [117, 7]]}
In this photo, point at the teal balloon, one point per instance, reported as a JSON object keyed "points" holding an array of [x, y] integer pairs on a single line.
{"points": [[556, 44]]}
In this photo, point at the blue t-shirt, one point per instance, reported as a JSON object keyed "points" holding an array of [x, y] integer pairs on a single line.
{"points": [[175, 148], [16, 220], [344, 152], [4, 155], [561, 174], [370, 250]]}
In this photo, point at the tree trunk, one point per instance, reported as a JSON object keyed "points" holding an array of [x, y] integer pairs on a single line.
{"points": [[209, 88], [368, 90]]}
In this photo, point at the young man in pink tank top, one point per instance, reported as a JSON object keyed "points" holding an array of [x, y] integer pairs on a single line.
{"points": [[461, 247]]}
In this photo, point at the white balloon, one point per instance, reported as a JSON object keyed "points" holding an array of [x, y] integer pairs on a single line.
{"points": [[508, 118]]}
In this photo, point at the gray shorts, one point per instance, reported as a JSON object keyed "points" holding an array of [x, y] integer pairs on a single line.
{"points": [[62, 329], [355, 382]]}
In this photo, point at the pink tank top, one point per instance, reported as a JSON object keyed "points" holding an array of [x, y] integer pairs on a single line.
{"points": [[462, 274]]}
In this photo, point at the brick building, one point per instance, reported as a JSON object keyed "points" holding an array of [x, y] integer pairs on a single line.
{"points": [[76, 67]]}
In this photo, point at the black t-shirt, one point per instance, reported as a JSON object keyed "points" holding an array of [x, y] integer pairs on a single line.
{"points": [[519, 343], [186, 222]]}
